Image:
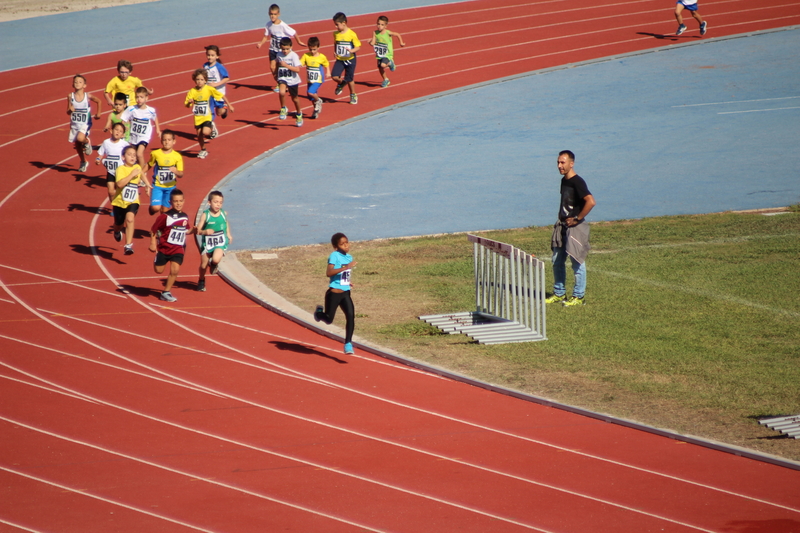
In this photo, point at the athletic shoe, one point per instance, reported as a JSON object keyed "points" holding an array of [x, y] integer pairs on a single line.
{"points": [[223, 112], [118, 236], [201, 286], [214, 131], [283, 113], [572, 302], [213, 267], [277, 89], [318, 312], [391, 65], [167, 297], [348, 349], [385, 83], [317, 108], [703, 28], [299, 120], [128, 249], [681, 29], [87, 148], [554, 299], [354, 99], [84, 167], [339, 88]]}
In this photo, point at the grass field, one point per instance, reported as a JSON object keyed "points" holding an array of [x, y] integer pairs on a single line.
{"points": [[692, 323]]}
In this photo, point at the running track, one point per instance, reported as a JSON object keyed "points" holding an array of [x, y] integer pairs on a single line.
{"points": [[212, 414]]}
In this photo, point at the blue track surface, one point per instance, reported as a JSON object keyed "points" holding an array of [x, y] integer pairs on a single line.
{"points": [[689, 129], [55, 37]]}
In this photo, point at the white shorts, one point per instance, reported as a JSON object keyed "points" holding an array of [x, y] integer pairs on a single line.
{"points": [[75, 130]]}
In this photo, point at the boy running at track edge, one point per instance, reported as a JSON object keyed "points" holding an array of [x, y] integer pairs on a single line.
{"points": [[383, 43], [216, 232], [339, 271], [692, 6], [167, 165], [79, 109], [168, 242], [276, 30], [345, 46], [125, 204]]}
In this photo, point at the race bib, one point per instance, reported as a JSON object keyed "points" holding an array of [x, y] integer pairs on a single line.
{"points": [[140, 127], [285, 73], [314, 75], [344, 281], [343, 49], [80, 117], [165, 175], [130, 193], [381, 49], [111, 165], [177, 235], [275, 44], [215, 240], [200, 109]]}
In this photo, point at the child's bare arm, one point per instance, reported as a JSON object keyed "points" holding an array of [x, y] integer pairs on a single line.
{"points": [[299, 42], [99, 103], [400, 37], [263, 40], [153, 242], [158, 127], [70, 108], [228, 103]]}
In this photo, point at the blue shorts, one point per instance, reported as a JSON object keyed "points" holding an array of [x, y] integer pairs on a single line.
{"points": [[160, 196], [348, 67], [273, 55], [313, 88], [692, 7]]}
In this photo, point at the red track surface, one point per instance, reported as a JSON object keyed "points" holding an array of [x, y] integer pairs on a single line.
{"points": [[212, 414]]}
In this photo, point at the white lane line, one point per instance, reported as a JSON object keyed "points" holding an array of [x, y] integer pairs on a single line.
{"points": [[62, 281], [291, 375], [86, 493], [101, 363], [258, 494], [375, 481], [757, 110], [48, 389], [738, 101], [18, 526]]}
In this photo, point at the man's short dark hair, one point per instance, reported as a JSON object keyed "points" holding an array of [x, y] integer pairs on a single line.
{"points": [[567, 153]]}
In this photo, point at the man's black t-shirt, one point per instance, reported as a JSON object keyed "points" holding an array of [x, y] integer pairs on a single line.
{"points": [[573, 192]]}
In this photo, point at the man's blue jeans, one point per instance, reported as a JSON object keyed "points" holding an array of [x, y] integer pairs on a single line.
{"points": [[560, 274]]}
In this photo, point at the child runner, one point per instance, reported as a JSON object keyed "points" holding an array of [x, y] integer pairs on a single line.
{"points": [[115, 117], [276, 30], [125, 203], [141, 119], [314, 61], [79, 109], [691, 5], [110, 154], [383, 44], [124, 83], [200, 99], [217, 78], [167, 165], [345, 45], [168, 241], [289, 79], [340, 266], [216, 232]]}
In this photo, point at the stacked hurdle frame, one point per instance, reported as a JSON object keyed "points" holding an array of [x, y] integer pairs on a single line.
{"points": [[509, 297]]}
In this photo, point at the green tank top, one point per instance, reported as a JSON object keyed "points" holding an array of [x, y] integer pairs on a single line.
{"points": [[220, 226], [384, 46]]}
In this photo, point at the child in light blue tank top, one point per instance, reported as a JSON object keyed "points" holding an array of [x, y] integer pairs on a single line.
{"points": [[339, 270]]}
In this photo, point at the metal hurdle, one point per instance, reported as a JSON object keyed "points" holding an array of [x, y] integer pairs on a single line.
{"points": [[509, 297]]}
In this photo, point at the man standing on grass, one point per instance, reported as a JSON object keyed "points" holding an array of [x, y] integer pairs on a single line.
{"points": [[571, 233]]}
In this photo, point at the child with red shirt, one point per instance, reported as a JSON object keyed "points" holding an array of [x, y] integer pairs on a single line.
{"points": [[168, 241]]}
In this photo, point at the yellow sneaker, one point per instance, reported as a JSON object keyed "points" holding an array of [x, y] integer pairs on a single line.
{"points": [[554, 299], [575, 301]]}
